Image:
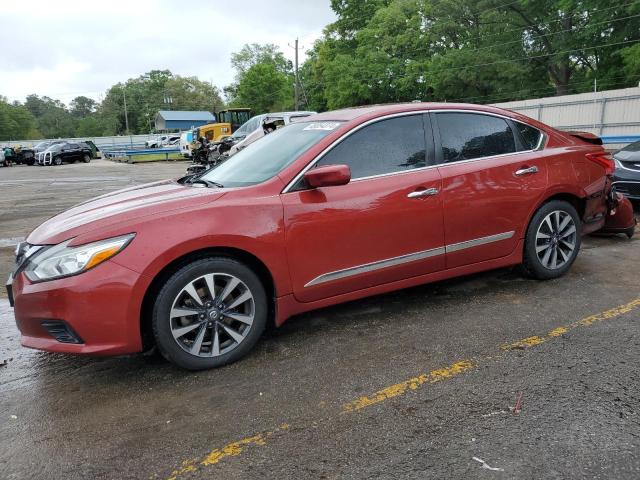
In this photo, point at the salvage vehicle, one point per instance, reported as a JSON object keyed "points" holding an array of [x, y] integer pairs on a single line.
{"points": [[627, 174], [335, 207], [58, 153], [209, 154], [42, 146], [20, 155], [162, 141]]}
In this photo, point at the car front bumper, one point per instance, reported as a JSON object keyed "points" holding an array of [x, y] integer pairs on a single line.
{"points": [[100, 308], [627, 182]]}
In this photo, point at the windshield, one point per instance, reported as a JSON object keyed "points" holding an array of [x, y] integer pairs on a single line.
{"points": [[633, 147], [42, 145], [248, 127], [267, 157]]}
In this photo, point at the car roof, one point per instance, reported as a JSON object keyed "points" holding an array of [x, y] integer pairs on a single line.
{"points": [[348, 114]]}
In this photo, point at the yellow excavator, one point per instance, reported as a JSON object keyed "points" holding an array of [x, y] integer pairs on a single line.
{"points": [[227, 122]]}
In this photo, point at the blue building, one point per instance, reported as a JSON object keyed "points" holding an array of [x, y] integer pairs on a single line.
{"points": [[179, 120]]}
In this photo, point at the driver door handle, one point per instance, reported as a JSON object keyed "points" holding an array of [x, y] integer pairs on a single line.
{"points": [[423, 193], [527, 171]]}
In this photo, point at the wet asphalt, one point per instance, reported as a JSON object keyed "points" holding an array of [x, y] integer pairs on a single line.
{"points": [[284, 412]]}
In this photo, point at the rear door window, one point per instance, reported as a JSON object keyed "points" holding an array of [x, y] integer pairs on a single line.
{"points": [[465, 136], [387, 146]]}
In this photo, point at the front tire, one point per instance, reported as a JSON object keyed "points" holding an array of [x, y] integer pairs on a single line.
{"points": [[57, 161], [209, 313], [553, 240]]}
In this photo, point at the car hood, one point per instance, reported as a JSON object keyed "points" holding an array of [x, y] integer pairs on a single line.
{"points": [[627, 156], [121, 206]]}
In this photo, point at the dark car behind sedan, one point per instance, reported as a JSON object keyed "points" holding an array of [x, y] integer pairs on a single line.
{"points": [[627, 174]]}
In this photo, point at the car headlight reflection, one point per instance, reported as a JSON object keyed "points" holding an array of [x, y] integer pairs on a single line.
{"points": [[62, 261]]}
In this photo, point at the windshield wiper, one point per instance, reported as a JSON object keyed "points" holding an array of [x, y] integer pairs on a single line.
{"points": [[208, 183]]}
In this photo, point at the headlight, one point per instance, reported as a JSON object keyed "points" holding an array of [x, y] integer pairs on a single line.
{"points": [[617, 162], [62, 261]]}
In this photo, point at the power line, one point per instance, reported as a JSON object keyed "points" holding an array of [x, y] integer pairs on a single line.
{"points": [[550, 34], [507, 95], [533, 57], [547, 24]]}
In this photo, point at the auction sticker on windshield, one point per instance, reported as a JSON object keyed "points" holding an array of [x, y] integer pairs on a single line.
{"points": [[322, 126]]}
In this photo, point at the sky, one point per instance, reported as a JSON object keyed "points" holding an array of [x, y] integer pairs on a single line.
{"points": [[66, 48]]}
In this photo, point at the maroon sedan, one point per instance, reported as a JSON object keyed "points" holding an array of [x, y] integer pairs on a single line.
{"points": [[339, 206]]}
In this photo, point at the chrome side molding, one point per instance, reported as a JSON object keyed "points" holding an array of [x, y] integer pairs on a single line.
{"points": [[370, 267], [479, 241], [411, 257]]}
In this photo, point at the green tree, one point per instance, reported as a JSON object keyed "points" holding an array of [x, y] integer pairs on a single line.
{"points": [[52, 117], [151, 92], [264, 79], [471, 50], [16, 122], [81, 107]]}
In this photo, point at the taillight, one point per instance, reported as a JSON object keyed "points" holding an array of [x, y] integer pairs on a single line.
{"points": [[604, 160]]}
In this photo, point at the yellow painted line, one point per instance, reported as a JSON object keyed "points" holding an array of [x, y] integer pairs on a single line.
{"points": [[583, 322], [238, 447], [232, 449], [410, 384]]}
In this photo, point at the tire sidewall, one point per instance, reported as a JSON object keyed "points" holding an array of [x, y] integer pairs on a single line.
{"points": [[531, 261], [160, 316], [86, 158]]}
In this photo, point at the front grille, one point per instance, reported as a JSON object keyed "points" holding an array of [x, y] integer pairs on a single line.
{"points": [[629, 189], [62, 332]]}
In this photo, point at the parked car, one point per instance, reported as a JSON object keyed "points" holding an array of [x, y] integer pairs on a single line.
{"points": [[58, 153], [627, 174], [335, 207], [209, 154], [267, 123], [42, 146], [161, 141]]}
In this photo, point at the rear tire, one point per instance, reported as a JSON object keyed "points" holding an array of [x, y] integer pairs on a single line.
{"points": [[552, 241], [86, 158], [216, 328]]}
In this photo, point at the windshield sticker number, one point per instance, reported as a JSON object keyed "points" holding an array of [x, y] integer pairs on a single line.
{"points": [[322, 126]]}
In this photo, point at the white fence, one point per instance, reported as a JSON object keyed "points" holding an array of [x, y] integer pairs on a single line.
{"points": [[610, 114], [125, 141]]}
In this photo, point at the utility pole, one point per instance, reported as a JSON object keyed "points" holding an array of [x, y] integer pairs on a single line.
{"points": [[296, 85], [126, 115]]}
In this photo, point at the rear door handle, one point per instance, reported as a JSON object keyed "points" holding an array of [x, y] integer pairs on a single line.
{"points": [[527, 171], [423, 193]]}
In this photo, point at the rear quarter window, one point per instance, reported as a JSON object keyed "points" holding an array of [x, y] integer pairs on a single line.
{"points": [[530, 136]]}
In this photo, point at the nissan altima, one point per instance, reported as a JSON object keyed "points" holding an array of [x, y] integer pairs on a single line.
{"points": [[336, 207]]}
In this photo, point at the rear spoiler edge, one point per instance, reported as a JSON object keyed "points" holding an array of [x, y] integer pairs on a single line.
{"points": [[586, 137]]}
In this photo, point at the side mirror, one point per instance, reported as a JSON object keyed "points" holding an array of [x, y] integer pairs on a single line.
{"points": [[328, 176]]}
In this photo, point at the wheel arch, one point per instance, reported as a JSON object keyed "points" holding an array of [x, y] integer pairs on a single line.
{"points": [[572, 196], [249, 259]]}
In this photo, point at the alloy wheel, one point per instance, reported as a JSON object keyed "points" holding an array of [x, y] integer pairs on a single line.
{"points": [[556, 239], [212, 315]]}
